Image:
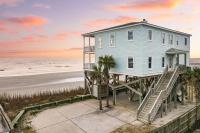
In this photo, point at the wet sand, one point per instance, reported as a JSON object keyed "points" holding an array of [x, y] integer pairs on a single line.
{"points": [[30, 84]]}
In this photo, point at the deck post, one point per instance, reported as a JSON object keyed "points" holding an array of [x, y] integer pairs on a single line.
{"points": [[161, 110], [114, 96], [175, 100], [166, 107], [170, 100]]}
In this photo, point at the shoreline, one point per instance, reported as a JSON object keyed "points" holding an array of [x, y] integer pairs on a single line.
{"points": [[33, 84]]}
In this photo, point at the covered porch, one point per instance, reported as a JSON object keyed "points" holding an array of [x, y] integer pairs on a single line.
{"points": [[176, 57]]}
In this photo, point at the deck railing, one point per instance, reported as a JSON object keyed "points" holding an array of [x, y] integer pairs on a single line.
{"points": [[89, 49], [151, 91], [164, 93], [88, 66]]}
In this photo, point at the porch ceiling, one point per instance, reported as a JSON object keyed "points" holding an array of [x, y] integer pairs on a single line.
{"points": [[175, 51]]}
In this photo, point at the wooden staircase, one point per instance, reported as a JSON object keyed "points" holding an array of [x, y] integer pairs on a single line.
{"points": [[155, 96]]}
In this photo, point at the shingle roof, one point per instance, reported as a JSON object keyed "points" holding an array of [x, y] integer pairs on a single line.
{"points": [[133, 24]]}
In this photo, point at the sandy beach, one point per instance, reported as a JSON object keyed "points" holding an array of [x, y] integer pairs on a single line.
{"points": [[30, 84]]}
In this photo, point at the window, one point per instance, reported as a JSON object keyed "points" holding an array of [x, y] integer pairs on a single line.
{"points": [[150, 34], [150, 62], [130, 62], [163, 38], [100, 42], [186, 41], [170, 39], [112, 40], [163, 61], [130, 35], [177, 40]]}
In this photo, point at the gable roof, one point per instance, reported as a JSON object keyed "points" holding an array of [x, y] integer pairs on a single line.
{"points": [[175, 51], [144, 22]]}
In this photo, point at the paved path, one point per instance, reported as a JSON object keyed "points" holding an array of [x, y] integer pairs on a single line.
{"points": [[84, 117]]}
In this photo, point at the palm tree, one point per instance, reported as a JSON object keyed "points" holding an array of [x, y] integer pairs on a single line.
{"points": [[96, 74], [107, 62], [192, 78]]}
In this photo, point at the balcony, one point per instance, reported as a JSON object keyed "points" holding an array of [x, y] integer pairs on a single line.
{"points": [[88, 66], [89, 49]]}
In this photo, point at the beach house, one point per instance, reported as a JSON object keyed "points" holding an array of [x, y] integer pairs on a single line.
{"points": [[140, 50]]}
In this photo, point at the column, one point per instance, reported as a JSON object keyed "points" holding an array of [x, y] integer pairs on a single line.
{"points": [[185, 59]]}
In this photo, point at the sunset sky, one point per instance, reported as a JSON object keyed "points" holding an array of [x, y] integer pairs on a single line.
{"points": [[53, 28]]}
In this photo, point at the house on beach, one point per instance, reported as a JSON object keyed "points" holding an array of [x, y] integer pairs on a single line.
{"points": [[143, 52]]}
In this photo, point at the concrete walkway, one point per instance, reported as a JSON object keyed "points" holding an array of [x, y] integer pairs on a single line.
{"points": [[84, 117]]}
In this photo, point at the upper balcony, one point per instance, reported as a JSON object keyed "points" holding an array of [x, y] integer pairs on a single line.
{"points": [[88, 66], [89, 49]]}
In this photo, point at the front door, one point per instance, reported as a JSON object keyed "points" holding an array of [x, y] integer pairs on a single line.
{"points": [[171, 62]]}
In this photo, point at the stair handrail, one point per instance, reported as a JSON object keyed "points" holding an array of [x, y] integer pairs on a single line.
{"points": [[160, 79], [151, 91], [163, 93], [145, 98]]}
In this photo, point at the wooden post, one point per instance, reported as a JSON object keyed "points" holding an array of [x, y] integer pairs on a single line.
{"points": [[170, 100], [114, 96], [161, 112], [182, 95], [175, 100], [166, 107]]}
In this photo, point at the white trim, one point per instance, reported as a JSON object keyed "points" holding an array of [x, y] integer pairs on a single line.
{"points": [[100, 46], [151, 35], [128, 62], [177, 39], [151, 63], [133, 35], [163, 33], [114, 45]]}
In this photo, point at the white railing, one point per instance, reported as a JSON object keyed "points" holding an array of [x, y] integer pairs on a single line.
{"points": [[89, 49], [151, 91], [88, 66], [163, 95]]}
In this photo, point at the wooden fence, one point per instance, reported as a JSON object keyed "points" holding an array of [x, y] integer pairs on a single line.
{"points": [[5, 120], [186, 123]]}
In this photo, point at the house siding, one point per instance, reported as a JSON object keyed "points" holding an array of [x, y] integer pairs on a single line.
{"points": [[140, 48]]}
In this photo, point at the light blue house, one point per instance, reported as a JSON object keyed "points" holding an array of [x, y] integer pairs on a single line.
{"points": [[144, 51], [139, 48]]}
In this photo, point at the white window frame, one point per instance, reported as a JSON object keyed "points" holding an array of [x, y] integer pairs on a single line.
{"points": [[128, 62], [163, 33], [163, 62], [171, 39], [100, 40], [151, 34], [177, 40], [151, 63], [114, 44], [128, 35], [185, 42]]}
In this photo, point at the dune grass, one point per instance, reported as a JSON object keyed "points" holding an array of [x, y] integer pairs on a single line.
{"points": [[13, 104]]}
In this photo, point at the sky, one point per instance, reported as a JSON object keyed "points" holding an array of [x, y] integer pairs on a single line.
{"points": [[53, 28]]}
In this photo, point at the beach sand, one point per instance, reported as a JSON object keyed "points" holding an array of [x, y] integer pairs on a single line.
{"points": [[31, 84]]}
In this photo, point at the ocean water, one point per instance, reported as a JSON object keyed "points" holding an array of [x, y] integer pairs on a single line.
{"points": [[31, 66]]}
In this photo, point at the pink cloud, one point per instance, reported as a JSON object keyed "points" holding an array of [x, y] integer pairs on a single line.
{"points": [[145, 5], [10, 2], [41, 5], [110, 22], [66, 35], [28, 21]]}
